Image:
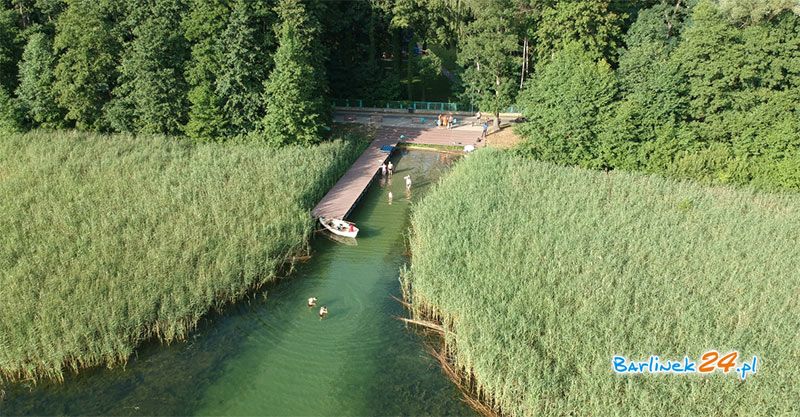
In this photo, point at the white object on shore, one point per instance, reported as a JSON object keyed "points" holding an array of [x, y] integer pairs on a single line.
{"points": [[339, 227], [469, 148]]}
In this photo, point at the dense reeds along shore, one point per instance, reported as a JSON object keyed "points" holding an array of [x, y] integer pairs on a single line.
{"points": [[541, 274], [106, 241]]}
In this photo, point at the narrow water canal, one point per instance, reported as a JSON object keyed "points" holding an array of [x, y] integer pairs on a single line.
{"points": [[271, 355]]}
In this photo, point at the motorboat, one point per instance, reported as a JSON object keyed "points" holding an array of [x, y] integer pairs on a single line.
{"points": [[339, 227]]}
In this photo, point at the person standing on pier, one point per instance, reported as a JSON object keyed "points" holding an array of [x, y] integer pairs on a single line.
{"points": [[390, 167], [383, 169]]}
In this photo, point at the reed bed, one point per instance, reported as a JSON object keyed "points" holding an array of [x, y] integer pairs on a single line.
{"points": [[108, 241], [540, 274]]}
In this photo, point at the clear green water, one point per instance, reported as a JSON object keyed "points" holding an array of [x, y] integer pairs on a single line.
{"points": [[271, 355]]}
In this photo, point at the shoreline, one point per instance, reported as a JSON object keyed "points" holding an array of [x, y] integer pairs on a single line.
{"points": [[435, 326]]}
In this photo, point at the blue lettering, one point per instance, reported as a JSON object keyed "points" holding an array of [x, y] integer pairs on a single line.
{"points": [[748, 368], [688, 365], [618, 362], [632, 367]]}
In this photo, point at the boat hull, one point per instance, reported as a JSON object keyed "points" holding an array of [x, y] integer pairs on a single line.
{"points": [[339, 227]]}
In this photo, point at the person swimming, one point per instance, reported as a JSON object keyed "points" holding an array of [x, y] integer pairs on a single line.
{"points": [[323, 312], [312, 301]]}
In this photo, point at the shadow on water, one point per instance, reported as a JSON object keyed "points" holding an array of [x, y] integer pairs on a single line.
{"points": [[272, 355], [158, 379]]}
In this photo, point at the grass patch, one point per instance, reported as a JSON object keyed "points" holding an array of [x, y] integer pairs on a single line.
{"points": [[106, 241], [540, 274]]}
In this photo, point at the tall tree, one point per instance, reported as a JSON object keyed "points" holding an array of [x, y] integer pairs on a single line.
{"points": [[9, 47], [247, 45], [230, 60], [36, 78], [655, 92], [295, 92], [487, 51], [592, 24], [88, 43], [204, 27], [565, 102], [152, 91]]}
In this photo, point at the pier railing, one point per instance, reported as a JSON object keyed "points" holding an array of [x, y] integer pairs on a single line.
{"points": [[411, 105]]}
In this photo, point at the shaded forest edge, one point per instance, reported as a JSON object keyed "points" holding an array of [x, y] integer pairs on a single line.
{"points": [[108, 241], [701, 89]]}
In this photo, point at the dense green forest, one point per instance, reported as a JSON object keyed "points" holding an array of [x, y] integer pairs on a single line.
{"points": [[704, 89]]}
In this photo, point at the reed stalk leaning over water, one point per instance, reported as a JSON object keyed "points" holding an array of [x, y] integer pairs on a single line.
{"points": [[108, 241], [540, 274]]}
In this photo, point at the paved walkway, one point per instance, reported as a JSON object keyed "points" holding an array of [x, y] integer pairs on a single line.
{"points": [[418, 121], [432, 136]]}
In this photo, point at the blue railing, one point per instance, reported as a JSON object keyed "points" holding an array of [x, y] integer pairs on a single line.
{"points": [[414, 105]]}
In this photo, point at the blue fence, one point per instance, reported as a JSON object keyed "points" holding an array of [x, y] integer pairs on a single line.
{"points": [[413, 105]]}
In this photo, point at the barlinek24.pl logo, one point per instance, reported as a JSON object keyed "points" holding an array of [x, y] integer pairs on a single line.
{"points": [[709, 362]]}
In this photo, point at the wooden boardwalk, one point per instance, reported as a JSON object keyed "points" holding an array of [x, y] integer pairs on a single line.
{"points": [[340, 200]]}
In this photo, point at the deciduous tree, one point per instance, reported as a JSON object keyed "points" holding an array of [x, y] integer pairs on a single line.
{"points": [[487, 52], [565, 103]]}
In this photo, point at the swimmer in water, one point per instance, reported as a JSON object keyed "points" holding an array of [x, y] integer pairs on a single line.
{"points": [[323, 312], [312, 301]]}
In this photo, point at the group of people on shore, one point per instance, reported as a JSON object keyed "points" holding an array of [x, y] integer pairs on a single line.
{"points": [[445, 120]]}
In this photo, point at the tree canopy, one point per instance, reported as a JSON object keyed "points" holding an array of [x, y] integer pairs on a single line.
{"points": [[704, 89]]}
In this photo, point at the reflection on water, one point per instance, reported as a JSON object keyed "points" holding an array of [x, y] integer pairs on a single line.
{"points": [[271, 355]]}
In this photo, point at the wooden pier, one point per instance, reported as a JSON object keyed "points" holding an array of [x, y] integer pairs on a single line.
{"points": [[342, 198]]}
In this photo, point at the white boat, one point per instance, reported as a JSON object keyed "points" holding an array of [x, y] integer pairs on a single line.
{"points": [[339, 227]]}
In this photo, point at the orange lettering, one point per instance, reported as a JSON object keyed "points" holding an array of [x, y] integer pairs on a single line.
{"points": [[709, 361], [728, 361]]}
